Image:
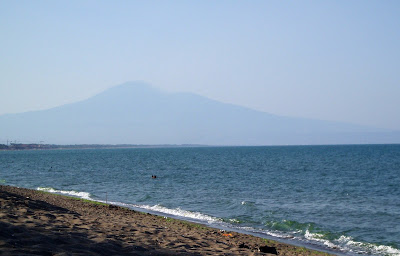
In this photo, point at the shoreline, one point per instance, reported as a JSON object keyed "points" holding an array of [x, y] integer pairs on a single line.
{"points": [[35, 222]]}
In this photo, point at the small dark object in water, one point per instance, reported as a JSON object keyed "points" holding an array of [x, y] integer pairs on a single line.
{"points": [[267, 249], [153, 176]]}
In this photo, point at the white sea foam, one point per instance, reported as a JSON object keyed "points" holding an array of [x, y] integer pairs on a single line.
{"points": [[343, 243], [155, 208], [180, 213], [249, 203], [234, 220], [346, 243], [84, 195], [319, 238], [274, 233], [349, 243]]}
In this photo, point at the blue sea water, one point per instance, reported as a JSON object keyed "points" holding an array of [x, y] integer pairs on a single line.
{"points": [[345, 199]]}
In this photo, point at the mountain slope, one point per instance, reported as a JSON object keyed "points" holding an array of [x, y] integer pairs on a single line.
{"points": [[136, 113]]}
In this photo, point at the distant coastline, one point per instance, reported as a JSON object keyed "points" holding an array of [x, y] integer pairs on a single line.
{"points": [[34, 146]]}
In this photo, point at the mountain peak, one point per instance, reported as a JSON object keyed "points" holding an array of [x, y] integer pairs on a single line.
{"points": [[137, 113], [127, 91], [132, 86]]}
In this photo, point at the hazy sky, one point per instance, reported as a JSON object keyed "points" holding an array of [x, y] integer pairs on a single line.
{"points": [[330, 60]]}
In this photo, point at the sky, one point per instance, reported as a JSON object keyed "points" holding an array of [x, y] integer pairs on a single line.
{"points": [[327, 60]]}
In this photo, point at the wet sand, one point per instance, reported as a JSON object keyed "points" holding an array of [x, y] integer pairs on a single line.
{"points": [[38, 223]]}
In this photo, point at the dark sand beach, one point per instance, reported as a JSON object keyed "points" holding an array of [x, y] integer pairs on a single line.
{"points": [[38, 223]]}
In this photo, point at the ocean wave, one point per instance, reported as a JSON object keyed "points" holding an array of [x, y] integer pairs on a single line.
{"points": [[278, 234], [347, 244], [319, 238], [308, 233], [155, 208], [180, 213], [84, 195], [286, 229], [247, 203], [233, 220], [289, 225]]}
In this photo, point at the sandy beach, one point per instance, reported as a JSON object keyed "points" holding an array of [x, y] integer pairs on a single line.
{"points": [[38, 223]]}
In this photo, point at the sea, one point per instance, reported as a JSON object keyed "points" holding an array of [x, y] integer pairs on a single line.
{"points": [[343, 199]]}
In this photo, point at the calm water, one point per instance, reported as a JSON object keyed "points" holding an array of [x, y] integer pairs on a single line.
{"points": [[346, 198]]}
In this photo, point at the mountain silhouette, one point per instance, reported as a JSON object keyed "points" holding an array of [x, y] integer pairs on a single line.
{"points": [[136, 113]]}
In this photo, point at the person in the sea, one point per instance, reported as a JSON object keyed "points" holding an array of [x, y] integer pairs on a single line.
{"points": [[153, 176]]}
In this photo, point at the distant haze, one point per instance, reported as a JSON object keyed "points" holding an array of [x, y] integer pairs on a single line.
{"points": [[326, 60], [137, 113]]}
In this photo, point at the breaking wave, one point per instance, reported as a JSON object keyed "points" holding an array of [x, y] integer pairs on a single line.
{"points": [[84, 195], [289, 230]]}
